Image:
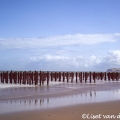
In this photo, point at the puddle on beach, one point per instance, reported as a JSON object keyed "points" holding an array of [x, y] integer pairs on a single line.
{"points": [[36, 98]]}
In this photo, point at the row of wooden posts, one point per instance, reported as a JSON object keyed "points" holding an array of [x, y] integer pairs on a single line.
{"points": [[35, 77]]}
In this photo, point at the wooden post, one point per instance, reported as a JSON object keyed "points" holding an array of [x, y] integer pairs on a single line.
{"points": [[93, 76], [47, 78], [117, 76], [40, 78], [21, 76], [18, 77], [31, 76], [76, 77], [1, 77], [109, 76], [101, 75], [7, 77], [27, 74], [43, 77], [112, 76], [10, 76], [85, 77], [51, 76], [67, 77], [36, 77], [59, 76], [2, 81], [63, 77], [23, 81], [105, 76], [81, 77], [55, 76], [90, 77]]}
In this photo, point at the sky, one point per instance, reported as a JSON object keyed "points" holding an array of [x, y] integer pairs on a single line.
{"points": [[62, 35]]}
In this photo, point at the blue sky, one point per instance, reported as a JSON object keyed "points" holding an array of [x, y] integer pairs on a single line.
{"points": [[59, 34]]}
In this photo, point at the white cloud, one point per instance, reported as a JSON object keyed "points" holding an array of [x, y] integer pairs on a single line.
{"points": [[112, 59], [65, 52], [87, 39], [47, 58], [61, 62]]}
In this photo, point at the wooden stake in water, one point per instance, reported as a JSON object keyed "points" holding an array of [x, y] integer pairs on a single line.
{"points": [[47, 78], [63, 77], [59, 76], [51, 76], [90, 77], [40, 78], [55, 76], [81, 77], [76, 77], [67, 77], [105, 76]]}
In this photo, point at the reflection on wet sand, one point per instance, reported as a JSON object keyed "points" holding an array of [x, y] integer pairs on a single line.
{"points": [[32, 104], [45, 97]]}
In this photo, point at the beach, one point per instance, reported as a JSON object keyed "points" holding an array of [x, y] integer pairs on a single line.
{"points": [[66, 101], [74, 112]]}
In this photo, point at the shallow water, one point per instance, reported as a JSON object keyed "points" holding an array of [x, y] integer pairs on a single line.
{"points": [[13, 99]]}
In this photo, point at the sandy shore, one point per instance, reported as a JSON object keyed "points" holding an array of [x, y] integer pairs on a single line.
{"points": [[73, 112], [93, 101]]}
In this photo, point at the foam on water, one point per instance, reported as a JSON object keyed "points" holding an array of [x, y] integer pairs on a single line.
{"points": [[22, 85], [13, 85]]}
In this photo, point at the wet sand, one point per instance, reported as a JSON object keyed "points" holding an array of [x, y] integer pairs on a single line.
{"points": [[74, 112], [64, 101]]}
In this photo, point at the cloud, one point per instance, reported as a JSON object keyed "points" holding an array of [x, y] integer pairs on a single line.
{"points": [[70, 39], [65, 52], [65, 63], [68, 61], [112, 59]]}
